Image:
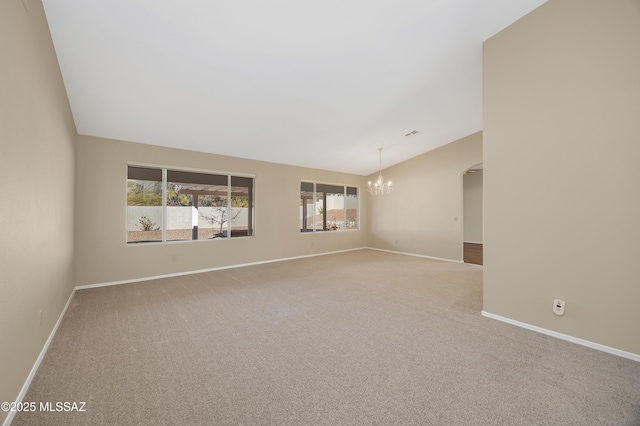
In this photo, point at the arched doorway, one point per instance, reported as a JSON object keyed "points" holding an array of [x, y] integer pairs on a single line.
{"points": [[472, 221]]}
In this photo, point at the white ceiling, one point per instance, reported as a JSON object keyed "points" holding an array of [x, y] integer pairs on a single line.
{"points": [[318, 84]]}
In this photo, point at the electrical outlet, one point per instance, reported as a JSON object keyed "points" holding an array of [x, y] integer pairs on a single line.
{"points": [[558, 307]]}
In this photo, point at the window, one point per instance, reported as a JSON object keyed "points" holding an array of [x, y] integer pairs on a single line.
{"points": [[144, 205], [326, 207], [175, 205]]}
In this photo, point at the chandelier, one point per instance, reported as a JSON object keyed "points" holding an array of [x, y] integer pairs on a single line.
{"points": [[379, 187]]}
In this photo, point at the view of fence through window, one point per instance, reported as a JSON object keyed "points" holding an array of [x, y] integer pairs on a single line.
{"points": [[198, 206], [325, 207]]}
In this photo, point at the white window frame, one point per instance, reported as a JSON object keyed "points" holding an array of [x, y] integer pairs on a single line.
{"points": [[165, 169], [313, 229]]}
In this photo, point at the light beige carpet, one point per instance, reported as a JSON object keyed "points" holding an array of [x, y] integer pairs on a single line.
{"points": [[363, 337]]}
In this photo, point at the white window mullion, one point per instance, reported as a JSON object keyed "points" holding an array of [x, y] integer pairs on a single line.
{"points": [[164, 205]]}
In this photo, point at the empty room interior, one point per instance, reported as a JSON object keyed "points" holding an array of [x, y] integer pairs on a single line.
{"points": [[333, 213]]}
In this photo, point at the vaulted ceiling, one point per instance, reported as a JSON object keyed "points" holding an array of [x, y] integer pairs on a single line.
{"points": [[318, 84]]}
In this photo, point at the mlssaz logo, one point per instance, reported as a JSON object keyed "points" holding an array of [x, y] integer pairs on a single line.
{"points": [[62, 406]]}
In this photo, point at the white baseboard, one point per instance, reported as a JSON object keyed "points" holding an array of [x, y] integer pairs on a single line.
{"points": [[587, 343], [34, 369], [219, 268], [241, 265], [417, 255]]}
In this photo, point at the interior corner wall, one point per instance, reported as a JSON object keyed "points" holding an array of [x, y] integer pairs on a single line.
{"points": [[561, 154], [423, 214], [103, 256], [472, 207], [37, 148]]}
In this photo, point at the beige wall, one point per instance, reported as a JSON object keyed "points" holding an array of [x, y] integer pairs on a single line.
{"points": [[561, 154], [423, 215], [37, 148], [102, 253], [472, 207]]}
